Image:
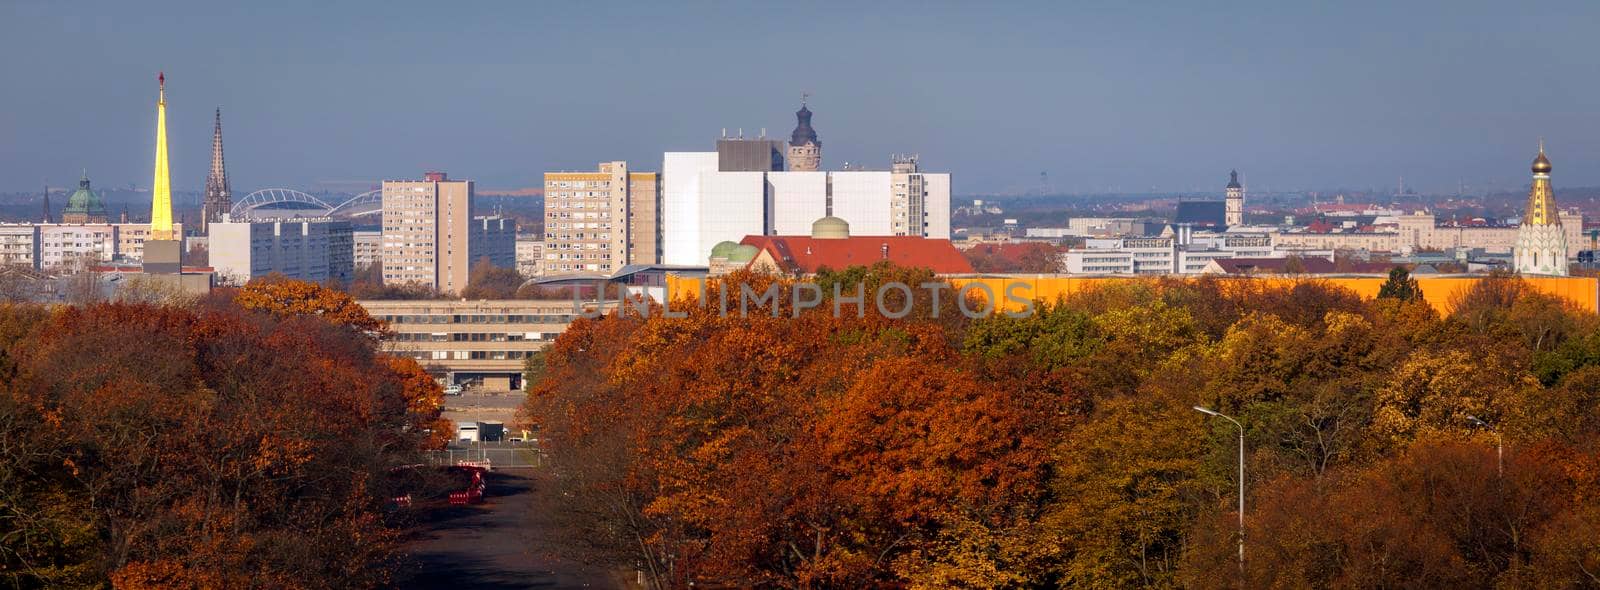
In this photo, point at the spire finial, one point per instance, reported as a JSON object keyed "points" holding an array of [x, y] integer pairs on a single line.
{"points": [[803, 96], [1541, 144]]}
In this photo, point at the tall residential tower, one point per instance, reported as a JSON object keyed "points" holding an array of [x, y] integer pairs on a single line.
{"points": [[219, 198], [1541, 242]]}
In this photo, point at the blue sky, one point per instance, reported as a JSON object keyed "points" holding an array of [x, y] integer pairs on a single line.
{"points": [[1127, 96]]}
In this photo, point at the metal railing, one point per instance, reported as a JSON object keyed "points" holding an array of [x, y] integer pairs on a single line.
{"points": [[496, 454]]}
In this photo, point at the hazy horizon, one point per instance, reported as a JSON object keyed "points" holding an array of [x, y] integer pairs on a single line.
{"points": [[1107, 98]]}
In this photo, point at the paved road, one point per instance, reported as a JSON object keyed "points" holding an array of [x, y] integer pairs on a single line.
{"points": [[491, 546]]}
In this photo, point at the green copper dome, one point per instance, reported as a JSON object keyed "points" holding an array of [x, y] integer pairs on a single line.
{"points": [[84, 201], [744, 253], [723, 249]]}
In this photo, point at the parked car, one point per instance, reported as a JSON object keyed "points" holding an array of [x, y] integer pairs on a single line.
{"points": [[467, 431], [453, 390]]}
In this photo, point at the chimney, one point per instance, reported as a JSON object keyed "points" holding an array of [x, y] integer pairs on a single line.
{"points": [[885, 250]]}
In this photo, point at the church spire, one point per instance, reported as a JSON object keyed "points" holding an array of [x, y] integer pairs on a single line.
{"points": [[219, 197], [161, 186], [1541, 242]]}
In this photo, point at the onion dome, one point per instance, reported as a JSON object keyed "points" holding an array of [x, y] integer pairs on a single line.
{"points": [[803, 133], [1541, 164], [1233, 179]]}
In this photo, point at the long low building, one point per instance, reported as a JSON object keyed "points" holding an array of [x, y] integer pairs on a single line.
{"points": [[1439, 290], [474, 343]]}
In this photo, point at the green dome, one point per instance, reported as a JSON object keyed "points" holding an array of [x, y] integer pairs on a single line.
{"points": [[723, 249], [744, 253], [830, 228], [84, 202]]}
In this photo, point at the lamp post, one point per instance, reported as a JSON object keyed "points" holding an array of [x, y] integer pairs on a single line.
{"points": [[1211, 412], [1499, 444]]}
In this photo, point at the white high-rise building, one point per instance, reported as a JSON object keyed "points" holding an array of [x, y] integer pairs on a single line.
{"points": [[795, 198], [703, 206], [681, 205]]}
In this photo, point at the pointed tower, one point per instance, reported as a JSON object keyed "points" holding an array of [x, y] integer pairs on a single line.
{"points": [[162, 249], [1541, 242], [161, 185], [219, 197], [46, 204], [1235, 201], [805, 152]]}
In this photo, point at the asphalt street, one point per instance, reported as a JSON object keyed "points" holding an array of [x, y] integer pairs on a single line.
{"points": [[492, 546]]}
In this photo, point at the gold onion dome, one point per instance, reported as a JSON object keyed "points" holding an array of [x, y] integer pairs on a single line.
{"points": [[1541, 164]]}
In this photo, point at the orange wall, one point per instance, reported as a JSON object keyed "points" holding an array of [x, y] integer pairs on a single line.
{"points": [[1582, 292]]}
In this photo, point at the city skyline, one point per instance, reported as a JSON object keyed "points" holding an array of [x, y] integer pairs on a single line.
{"points": [[1123, 99]]}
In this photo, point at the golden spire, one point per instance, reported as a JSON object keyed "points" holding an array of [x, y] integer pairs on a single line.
{"points": [[161, 187], [1541, 199]]}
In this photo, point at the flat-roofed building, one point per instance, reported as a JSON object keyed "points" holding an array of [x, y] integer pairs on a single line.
{"points": [[704, 206], [19, 245], [68, 246], [530, 255], [598, 222], [366, 247], [306, 249], [132, 236], [482, 343], [431, 237]]}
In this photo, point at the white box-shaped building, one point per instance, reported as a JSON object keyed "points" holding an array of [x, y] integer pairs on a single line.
{"points": [[733, 205], [937, 205], [795, 200], [681, 205], [864, 200]]}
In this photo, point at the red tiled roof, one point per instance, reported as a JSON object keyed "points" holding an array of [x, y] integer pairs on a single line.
{"points": [[805, 254]]}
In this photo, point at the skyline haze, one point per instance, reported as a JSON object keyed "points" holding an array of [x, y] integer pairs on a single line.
{"points": [[1108, 98]]}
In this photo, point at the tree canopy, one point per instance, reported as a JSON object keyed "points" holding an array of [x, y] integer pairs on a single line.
{"points": [[1061, 450]]}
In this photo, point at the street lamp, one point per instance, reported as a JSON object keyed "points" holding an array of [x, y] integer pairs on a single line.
{"points": [[1211, 412], [1499, 444]]}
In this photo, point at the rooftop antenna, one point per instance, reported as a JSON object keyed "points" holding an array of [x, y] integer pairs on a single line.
{"points": [[724, 132], [763, 133]]}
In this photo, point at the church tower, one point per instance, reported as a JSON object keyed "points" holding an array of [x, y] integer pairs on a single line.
{"points": [[163, 247], [219, 198], [1235, 201], [1541, 243], [161, 185], [805, 152]]}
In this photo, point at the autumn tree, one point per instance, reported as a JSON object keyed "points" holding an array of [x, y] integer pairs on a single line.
{"points": [[488, 281], [158, 447], [279, 296]]}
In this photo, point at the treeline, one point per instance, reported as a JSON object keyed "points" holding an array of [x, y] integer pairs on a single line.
{"points": [[243, 441], [1062, 449]]}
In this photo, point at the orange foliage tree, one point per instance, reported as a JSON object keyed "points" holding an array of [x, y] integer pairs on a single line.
{"points": [[147, 447], [811, 450]]}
